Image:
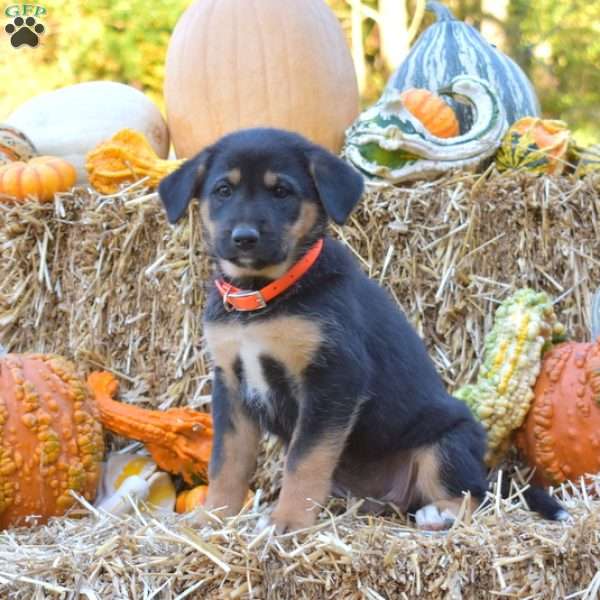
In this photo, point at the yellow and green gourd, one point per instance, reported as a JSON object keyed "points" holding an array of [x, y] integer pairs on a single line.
{"points": [[525, 326], [536, 145]]}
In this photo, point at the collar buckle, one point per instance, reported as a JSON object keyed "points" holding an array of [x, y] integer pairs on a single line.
{"points": [[229, 300]]}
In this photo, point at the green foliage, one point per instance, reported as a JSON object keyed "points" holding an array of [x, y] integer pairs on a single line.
{"points": [[562, 40], [122, 40], [378, 74], [556, 42]]}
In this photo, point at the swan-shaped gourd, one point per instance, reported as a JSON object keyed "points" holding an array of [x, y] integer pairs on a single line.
{"points": [[389, 143]]}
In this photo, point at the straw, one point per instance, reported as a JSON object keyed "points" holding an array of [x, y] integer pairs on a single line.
{"points": [[106, 281]]}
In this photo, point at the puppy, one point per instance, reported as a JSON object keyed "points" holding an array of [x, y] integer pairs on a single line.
{"points": [[306, 347]]}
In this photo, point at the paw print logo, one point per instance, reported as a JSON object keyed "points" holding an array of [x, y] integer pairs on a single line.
{"points": [[24, 31]]}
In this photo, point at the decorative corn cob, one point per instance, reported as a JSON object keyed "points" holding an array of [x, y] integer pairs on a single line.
{"points": [[524, 326]]}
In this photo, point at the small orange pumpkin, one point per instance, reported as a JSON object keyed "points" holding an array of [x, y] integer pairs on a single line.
{"points": [[51, 438], [188, 500], [561, 434], [41, 178], [437, 116]]}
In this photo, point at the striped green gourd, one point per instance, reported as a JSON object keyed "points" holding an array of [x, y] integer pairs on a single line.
{"points": [[389, 144], [449, 48]]}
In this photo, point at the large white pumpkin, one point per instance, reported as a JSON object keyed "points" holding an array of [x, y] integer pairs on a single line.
{"points": [[70, 121], [246, 63]]}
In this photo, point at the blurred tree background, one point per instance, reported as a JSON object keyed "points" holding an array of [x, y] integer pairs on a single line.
{"points": [[557, 42]]}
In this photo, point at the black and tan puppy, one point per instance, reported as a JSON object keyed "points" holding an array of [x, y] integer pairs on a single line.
{"points": [[321, 356]]}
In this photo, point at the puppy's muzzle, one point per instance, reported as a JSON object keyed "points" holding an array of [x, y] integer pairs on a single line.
{"points": [[245, 237]]}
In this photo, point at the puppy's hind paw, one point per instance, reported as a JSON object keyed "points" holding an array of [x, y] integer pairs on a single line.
{"points": [[564, 517], [264, 522], [288, 519], [429, 518]]}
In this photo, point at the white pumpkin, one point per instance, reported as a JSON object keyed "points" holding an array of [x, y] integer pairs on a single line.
{"points": [[71, 121]]}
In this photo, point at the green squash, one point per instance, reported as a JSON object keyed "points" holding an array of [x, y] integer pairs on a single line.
{"points": [[449, 48], [387, 143]]}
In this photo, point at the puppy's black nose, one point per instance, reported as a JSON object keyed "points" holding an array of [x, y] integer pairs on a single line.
{"points": [[245, 237]]}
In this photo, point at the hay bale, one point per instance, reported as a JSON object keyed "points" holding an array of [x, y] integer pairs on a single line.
{"points": [[503, 552], [107, 281]]}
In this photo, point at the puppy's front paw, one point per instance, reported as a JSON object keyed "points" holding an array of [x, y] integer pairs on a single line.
{"points": [[291, 518], [263, 523], [429, 518], [202, 519], [212, 513]]}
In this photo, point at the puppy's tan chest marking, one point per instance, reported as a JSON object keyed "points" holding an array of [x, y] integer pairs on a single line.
{"points": [[291, 341]]}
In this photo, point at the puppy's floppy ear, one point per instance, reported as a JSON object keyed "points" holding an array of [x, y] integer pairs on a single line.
{"points": [[340, 187], [177, 189]]}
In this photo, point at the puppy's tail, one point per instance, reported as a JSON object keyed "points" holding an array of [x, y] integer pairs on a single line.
{"points": [[539, 500]]}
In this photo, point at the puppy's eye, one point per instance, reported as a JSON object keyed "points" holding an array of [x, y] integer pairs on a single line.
{"points": [[223, 190], [280, 191]]}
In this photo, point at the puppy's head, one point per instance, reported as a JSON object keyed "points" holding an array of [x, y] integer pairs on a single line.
{"points": [[265, 197]]}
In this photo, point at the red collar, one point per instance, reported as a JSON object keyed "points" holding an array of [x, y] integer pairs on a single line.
{"points": [[248, 300]]}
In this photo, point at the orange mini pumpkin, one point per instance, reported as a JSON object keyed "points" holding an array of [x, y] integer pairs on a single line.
{"points": [[39, 178], [437, 116], [561, 434], [51, 438], [188, 500]]}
